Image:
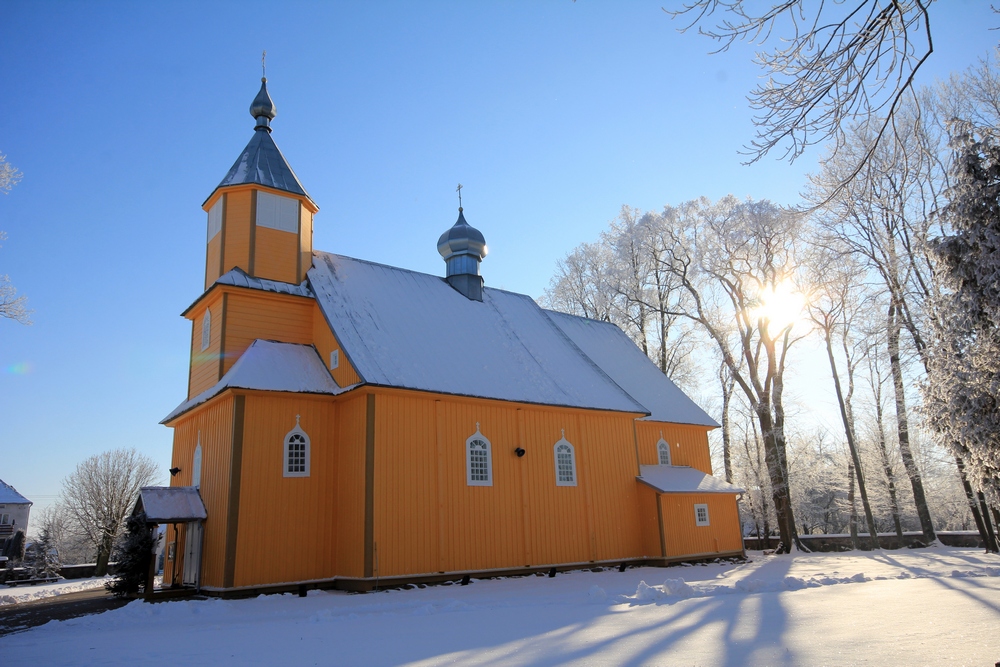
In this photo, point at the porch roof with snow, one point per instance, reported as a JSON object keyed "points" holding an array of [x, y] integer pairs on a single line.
{"points": [[171, 504], [270, 366], [627, 365], [412, 330], [682, 479]]}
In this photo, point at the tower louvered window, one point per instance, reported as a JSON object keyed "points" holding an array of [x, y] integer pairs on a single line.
{"points": [[206, 330], [565, 457], [479, 466], [296, 452]]}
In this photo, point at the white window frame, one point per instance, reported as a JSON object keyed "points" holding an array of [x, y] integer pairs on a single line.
{"points": [[293, 437], [484, 442], [277, 212], [334, 359], [4, 519], [564, 443], [698, 521], [206, 329], [196, 464], [662, 446], [215, 219]]}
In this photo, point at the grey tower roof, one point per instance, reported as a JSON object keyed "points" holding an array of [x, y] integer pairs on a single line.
{"points": [[261, 162], [462, 238]]}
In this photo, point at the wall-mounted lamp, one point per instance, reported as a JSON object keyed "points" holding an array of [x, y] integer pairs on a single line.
{"points": [[519, 451], [174, 471]]}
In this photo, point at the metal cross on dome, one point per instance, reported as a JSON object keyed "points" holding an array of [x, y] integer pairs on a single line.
{"points": [[459, 191]]}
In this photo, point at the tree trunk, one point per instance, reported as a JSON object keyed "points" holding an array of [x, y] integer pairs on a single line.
{"points": [[919, 499], [853, 523], [103, 556], [851, 443], [973, 507], [727, 394], [779, 480], [991, 544]]}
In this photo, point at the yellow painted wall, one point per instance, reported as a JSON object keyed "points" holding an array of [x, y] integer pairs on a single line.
{"points": [[287, 525], [684, 538], [324, 340], [688, 444], [214, 422], [204, 370], [428, 519], [251, 314], [351, 429], [276, 255], [236, 228], [305, 241], [213, 259]]}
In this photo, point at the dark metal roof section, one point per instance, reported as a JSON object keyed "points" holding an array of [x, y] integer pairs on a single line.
{"points": [[463, 248], [261, 162]]}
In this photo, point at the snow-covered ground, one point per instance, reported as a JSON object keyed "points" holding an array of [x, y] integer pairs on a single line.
{"points": [[912, 607], [23, 593]]}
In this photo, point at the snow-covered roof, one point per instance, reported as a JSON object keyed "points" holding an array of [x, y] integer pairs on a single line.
{"points": [[10, 496], [169, 504], [682, 479], [412, 330], [237, 277], [618, 356], [262, 163], [270, 366]]}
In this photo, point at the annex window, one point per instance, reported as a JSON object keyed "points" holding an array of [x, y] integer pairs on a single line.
{"points": [[663, 451], [206, 329], [196, 464], [215, 219], [701, 515], [334, 359], [478, 460], [565, 457], [4, 519], [296, 452], [276, 212]]}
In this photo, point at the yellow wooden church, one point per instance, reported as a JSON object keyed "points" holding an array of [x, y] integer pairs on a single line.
{"points": [[348, 421]]}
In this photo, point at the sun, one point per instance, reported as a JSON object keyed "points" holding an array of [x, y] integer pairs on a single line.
{"points": [[781, 306]]}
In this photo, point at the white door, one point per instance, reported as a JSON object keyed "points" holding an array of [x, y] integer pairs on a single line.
{"points": [[192, 552]]}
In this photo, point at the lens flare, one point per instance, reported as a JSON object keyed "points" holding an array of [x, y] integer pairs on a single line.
{"points": [[22, 368]]}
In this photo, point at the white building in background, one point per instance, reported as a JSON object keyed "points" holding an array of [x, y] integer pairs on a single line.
{"points": [[14, 509]]}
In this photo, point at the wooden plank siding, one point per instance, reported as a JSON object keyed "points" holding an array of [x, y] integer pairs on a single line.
{"points": [[324, 340], [305, 241], [688, 444], [236, 227], [213, 257], [428, 519], [253, 314], [684, 538], [213, 422], [205, 363], [287, 525], [276, 255], [350, 431]]}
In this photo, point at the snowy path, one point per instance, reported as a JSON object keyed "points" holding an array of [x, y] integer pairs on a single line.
{"points": [[23, 593], [937, 606]]}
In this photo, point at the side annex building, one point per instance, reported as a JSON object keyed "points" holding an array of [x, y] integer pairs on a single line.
{"points": [[348, 421]]}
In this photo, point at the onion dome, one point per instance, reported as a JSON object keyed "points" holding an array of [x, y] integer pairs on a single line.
{"points": [[462, 239], [463, 247], [262, 108]]}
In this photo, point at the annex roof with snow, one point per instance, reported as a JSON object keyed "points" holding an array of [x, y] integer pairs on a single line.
{"points": [[171, 504], [10, 496], [683, 479]]}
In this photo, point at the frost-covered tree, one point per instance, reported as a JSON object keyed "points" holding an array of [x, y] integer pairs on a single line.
{"points": [[12, 306], [962, 395], [101, 492], [133, 556], [42, 558]]}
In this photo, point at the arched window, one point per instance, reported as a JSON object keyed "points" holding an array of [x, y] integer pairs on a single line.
{"points": [[478, 460], [206, 329], [196, 464], [296, 452], [565, 462], [663, 451]]}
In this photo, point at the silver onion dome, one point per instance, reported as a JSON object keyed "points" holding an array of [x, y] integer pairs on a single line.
{"points": [[262, 108], [462, 239]]}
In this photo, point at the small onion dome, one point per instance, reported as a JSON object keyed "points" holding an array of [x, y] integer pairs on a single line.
{"points": [[462, 239], [262, 108]]}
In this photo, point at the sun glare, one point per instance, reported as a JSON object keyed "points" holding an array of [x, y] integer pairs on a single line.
{"points": [[781, 305]]}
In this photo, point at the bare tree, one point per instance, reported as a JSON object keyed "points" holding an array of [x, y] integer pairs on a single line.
{"points": [[101, 493], [837, 63], [11, 306]]}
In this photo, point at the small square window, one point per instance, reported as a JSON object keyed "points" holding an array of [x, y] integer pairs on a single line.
{"points": [[701, 515], [334, 359]]}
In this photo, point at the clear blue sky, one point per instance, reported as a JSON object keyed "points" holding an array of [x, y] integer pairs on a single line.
{"points": [[125, 116]]}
